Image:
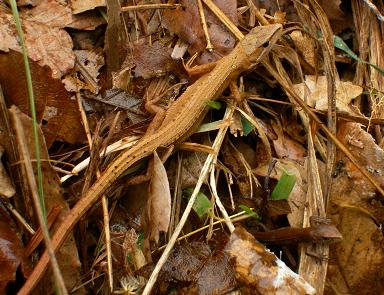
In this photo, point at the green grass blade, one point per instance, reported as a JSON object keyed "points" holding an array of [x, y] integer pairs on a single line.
{"points": [[340, 44], [31, 97]]}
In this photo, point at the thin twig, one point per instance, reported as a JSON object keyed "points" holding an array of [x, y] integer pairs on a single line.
{"points": [[35, 197], [19, 218], [204, 24], [149, 6]]}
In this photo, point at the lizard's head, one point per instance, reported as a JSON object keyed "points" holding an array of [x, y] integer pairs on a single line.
{"points": [[260, 40], [327, 233]]}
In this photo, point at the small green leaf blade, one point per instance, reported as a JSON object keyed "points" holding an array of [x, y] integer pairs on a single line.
{"points": [[250, 212], [216, 105], [340, 44], [284, 186], [202, 205], [247, 126]]}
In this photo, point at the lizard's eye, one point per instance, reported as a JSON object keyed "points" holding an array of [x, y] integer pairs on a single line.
{"points": [[266, 44]]}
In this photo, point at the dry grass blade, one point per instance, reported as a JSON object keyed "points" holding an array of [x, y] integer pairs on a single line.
{"points": [[104, 201], [374, 9], [149, 6], [309, 266], [219, 204], [317, 20]]}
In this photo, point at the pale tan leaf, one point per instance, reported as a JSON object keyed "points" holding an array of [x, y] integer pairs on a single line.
{"points": [[159, 200], [318, 95], [58, 14], [6, 186], [79, 6]]}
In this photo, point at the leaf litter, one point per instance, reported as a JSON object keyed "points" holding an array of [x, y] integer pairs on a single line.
{"points": [[67, 44]]}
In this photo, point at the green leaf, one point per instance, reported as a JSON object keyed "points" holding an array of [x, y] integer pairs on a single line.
{"points": [[247, 126], [214, 104], [339, 43], [202, 204], [140, 240], [284, 186], [250, 212]]}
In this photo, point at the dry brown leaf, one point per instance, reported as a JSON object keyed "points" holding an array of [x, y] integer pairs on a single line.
{"points": [[159, 200], [191, 167], [49, 12], [236, 162], [318, 97], [46, 45], [185, 22], [306, 46], [184, 262], [353, 190], [207, 273], [285, 147], [259, 269], [360, 256], [86, 21], [11, 251], [356, 263], [28, 2], [87, 72], [152, 61], [55, 108], [215, 277]]}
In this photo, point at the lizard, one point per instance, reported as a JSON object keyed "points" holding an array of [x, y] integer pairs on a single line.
{"points": [[181, 118]]}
